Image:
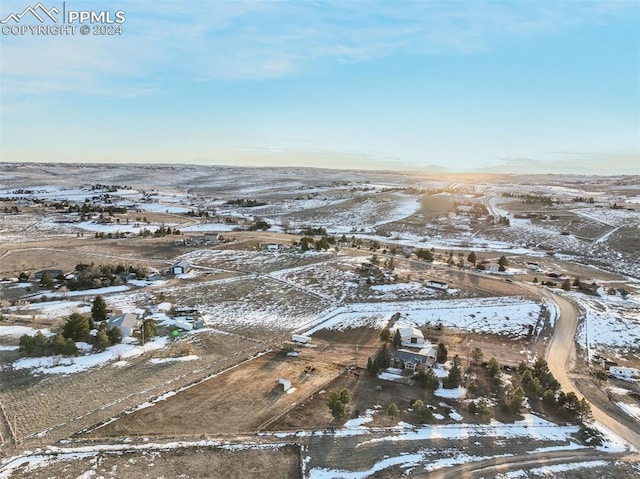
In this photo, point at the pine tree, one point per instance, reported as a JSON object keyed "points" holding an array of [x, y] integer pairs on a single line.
{"points": [[385, 335], [476, 355], [452, 381], [76, 328], [149, 328], [383, 357], [115, 336], [493, 367], [441, 356], [58, 344], [397, 339], [99, 309], [502, 262], [102, 340]]}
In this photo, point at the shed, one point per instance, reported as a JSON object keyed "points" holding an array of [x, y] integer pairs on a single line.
{"points": [[286, 384], [180, 268], [437, 284], [412, 337]]}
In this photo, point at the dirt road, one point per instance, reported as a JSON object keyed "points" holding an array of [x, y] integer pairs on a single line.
{"points": [[561, 356]]}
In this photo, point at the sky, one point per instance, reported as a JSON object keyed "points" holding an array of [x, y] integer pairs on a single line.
{"points": [[453, 86]]}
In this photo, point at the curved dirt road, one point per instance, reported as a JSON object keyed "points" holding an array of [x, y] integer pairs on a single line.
{"points": [[560, 356]]}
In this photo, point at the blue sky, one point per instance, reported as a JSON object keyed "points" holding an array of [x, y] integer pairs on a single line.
{"points": [[529, 86]]}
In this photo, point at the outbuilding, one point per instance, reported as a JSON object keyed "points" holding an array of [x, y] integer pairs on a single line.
{"points": [[180, 268]]}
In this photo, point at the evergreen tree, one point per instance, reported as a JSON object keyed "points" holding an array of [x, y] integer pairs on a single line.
{"points": [[345, 396], [441, 356], [472, 387], [372, 366], [476, 355], [337, 402], [102, 340], [393, 410], [397, 339], [385, 335], [516, 400], [383, 357], [58, 344], [502, 262], [76, 328], [493, 367], [427, 379], [452, 381], [99, 309], [70, 348], [566, 285], [149, 328], [472, 258], [47, 280], [115, 336]]}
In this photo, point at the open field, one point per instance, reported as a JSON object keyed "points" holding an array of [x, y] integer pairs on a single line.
{"points": [[185, 462], [218, 384], [220, 405]]}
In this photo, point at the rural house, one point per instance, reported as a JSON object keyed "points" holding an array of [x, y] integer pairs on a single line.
{"points": [[414, 360], [126, 323]]}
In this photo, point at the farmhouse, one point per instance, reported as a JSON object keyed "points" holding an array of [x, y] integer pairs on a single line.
{"points": [[412, 337], [180, 267], [414, 360], [626, 374], [126, 323], [437, 285]]}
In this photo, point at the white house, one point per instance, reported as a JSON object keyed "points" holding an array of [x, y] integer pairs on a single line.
{"points": [[412, 337], [126, 323], [437, 284], [180, 267], [626, 374]]}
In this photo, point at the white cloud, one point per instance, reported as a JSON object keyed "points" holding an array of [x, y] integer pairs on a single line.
{"points": [[177, 41]]}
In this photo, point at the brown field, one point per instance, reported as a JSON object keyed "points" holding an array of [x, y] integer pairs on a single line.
{"points": [[184, 462], [247, 398], [239, 400]]}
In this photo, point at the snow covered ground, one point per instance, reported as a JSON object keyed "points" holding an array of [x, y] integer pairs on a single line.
{"points": [[502, 315], [608, 321], [67, 365]]}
